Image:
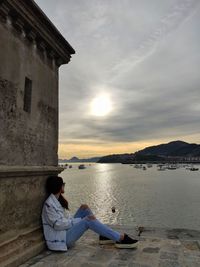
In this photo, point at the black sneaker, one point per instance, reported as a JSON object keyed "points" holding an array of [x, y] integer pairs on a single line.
{"points": [[104, 240], [127, 242]]}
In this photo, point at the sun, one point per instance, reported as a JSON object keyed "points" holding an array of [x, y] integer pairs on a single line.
{"points": [[101, 105]]}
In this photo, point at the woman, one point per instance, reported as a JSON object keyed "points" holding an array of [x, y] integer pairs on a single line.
{"points": [[61, 230]]}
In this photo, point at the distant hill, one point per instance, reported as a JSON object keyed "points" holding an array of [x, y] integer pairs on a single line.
{"points": [[116, 158], [157, 153], [128, 158], [175, 148], [75, 159]]}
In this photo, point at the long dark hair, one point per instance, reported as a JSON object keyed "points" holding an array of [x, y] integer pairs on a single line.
{"points": [[63, 201], [53, 186]]}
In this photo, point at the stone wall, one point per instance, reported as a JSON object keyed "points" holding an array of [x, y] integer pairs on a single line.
{"points": [[22, 193], [27, 138], [31, 51]]}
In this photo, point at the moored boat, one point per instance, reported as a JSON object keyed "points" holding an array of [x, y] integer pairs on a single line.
{"points": [[194, 169], [82, 166]]}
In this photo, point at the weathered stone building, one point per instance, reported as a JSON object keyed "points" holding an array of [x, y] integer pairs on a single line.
{"points": [[31, 51]]}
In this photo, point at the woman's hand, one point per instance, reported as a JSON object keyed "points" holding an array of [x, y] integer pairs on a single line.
{"points": [[84, 207], [90, 217]]}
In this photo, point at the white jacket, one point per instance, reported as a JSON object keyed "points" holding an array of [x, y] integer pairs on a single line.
{"points": [[55, 223]]}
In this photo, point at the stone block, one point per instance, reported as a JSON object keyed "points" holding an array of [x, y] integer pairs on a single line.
{"points": [[168, 263], [168, 256], [151, 250]]}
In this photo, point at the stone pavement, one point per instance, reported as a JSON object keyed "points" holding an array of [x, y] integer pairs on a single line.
{"points": [[157, 247]]}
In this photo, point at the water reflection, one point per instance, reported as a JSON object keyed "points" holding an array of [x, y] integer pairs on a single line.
{"points": [[158, 199], [104, 196]]}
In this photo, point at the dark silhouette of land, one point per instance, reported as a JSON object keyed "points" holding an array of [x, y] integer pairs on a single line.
{"points": [[75, 159], [175, 151]]}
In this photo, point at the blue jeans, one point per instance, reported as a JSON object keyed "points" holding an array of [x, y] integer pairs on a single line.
{"points": [[78, 229]]}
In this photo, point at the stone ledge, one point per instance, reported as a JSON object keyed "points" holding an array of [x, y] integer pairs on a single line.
{"points": [[155, 249], [20, 171], [13, 235], [26, 244]]}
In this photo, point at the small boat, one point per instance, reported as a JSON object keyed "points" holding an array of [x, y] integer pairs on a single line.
{"points": [[160, 165], [194, 169], [144, 168], [82, 166], [162, 169], [137, 166], [70, 166], [172, 167], [149, 165]]}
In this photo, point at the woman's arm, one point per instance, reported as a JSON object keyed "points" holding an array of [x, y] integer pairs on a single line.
{"points": [[56, 220]]}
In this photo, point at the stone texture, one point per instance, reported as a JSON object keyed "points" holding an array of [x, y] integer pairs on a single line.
{"points": [[168, 255], [32, 50], [32, 136], [169, 263], [20, 208], [150, 252]]}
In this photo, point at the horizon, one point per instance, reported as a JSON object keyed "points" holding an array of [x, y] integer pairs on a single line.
{"points": [[75, 156], [127, 87]]}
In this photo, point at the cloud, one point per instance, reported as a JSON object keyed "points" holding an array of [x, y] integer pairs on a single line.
{"points": [[144, 54], [170, 22]]}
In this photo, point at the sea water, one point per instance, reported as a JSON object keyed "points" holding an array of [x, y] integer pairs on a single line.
{"points": [[169, 198]]}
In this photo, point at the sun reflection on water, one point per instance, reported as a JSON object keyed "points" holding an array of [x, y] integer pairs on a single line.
{"points": [[148, 198], [104, 196]]}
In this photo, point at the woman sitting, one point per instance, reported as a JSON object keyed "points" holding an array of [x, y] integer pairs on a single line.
{"points": [[61, 230]]}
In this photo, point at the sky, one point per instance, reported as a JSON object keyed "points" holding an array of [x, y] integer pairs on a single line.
{"points": [[135, 78]]}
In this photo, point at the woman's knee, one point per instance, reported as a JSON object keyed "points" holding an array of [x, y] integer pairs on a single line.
{"points": [[84, 207]]}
